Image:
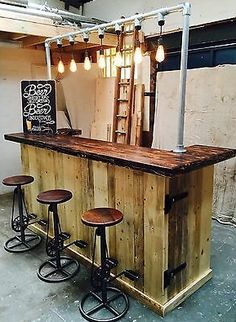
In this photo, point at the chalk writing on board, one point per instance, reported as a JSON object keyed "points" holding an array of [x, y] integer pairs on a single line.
{"points": [[38, 105]]}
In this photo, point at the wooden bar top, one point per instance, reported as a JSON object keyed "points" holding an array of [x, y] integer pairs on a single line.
{"points": [[161, 162]]}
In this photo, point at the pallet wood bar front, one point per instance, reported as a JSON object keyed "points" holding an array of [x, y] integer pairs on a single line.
{"points": [[167, 242]]}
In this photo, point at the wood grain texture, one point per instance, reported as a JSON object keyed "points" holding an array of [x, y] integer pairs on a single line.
{"points": [[160, 162], [147, 240], [190, 227]]}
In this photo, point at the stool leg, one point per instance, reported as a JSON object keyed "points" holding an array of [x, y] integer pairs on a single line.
{"points": [[106, 296], [103, 263], [56, 234], [24, 241], [55, 270], [21, 214]]}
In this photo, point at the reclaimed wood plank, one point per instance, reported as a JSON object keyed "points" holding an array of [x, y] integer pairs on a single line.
{"points": [[154, 236], [138, 213]]}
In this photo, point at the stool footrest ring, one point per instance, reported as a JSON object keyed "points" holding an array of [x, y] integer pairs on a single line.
{"points": [[18, 245], [51, 272], [113, 308]]}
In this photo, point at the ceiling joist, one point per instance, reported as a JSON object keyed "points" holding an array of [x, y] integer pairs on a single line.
{"points": [[33, 31]]}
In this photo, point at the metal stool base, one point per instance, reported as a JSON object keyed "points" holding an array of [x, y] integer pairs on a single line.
{"points": [[109, 311], [17, 245], [49, 271]]}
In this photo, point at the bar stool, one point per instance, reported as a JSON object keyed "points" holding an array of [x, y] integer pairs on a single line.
{"points": [[21, 220], [109, 301], [58, 268]]}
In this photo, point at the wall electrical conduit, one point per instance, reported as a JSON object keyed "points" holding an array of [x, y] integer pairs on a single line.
{"points": [[185, 9]]}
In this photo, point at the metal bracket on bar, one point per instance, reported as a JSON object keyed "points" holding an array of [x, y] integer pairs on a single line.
{"points": [[171, 200], [170, 274]]}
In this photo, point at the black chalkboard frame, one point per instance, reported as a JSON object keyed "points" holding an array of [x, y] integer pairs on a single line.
{"points": [[39, 106]]}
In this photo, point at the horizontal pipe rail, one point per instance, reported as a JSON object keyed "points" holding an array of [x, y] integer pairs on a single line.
{"points": [[103, 26]]}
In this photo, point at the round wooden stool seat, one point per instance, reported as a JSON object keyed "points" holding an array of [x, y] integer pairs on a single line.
{"points": [[17, 180], [102, 217], [54, 196]]}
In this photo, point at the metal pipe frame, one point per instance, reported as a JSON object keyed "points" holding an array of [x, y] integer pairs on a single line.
{"points": [[185, 8], [33, 12]]}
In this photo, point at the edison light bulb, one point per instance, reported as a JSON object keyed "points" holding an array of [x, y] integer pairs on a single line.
{"points": [[60, 67], [118, 59], [101, 61], [87, 63], [160, 54], [138, 55], [73, 67]]}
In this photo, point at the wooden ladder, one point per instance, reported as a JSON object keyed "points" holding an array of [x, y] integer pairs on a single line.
{"points": [[124, 92]]}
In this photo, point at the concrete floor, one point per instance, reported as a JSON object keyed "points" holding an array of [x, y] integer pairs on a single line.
{"points": [[23, 297]]}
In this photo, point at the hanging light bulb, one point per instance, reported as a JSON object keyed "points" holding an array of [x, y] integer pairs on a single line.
{"points": [[73, 66], [101, 59], [138, 55], [138, 52], [160, 54], [118, 57], [60, 66], [87, 62]]}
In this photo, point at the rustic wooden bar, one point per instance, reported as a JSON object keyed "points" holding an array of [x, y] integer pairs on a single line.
{"points": [[167, 243]]}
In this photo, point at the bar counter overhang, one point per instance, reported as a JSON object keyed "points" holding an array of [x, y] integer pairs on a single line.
{"points": [[166, 199]]}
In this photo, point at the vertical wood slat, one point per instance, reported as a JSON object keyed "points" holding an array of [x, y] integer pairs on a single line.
{"points": [[124, 231], [138, 213], [154, 236], [112, 204], [177, 231], [199, 222]]}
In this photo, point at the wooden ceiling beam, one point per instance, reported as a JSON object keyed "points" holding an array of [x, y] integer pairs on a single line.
{"points": [[31, 41], [17, 36], [37, 26]]}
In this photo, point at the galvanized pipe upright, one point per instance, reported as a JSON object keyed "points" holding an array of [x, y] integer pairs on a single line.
{"points": [[183, 80]]}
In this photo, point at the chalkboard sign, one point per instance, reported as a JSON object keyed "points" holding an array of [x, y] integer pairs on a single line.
{"points": [[39, 106]]}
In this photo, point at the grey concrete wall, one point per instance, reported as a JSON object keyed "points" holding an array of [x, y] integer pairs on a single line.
{"points": [[210, 119], [202, 11]]}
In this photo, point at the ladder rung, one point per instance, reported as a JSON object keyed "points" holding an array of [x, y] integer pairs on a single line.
{"points": [[126, 66], [122, 100], [127, 49], [120, 132], [121, 116], [128, 32], [124, 83]]}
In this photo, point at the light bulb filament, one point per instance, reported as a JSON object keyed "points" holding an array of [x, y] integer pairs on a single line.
{"points": [[87, 62], [118, 59], [73, 66], [60, 67], [160, 54], [138, 55], [101, 60]]}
